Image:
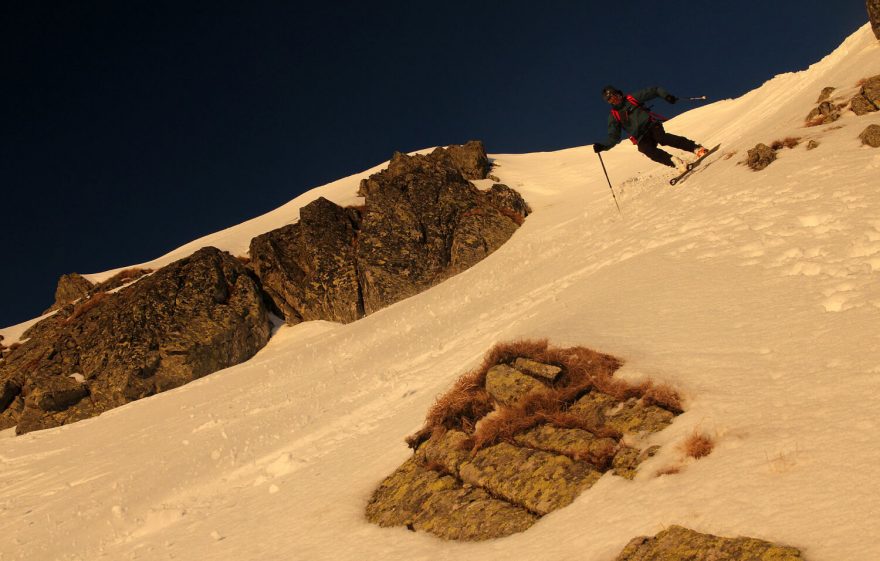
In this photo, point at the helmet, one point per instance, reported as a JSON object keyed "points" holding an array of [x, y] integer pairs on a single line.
{"points": [[608, 91]]}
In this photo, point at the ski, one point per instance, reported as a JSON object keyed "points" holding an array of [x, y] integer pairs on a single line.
{"points": [[691, 166]]}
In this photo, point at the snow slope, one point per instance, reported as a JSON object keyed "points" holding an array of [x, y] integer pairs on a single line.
{"points": [[756, 294]]}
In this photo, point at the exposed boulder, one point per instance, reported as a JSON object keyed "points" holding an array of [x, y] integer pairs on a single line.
{"points": [[868, 98], [825, 94], [309, 269], [681, 544], [826, 112], [874, 15], [191, 318], [760, 157], [532, 456], [871, 136]]}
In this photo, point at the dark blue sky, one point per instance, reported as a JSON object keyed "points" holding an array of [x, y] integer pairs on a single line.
{"points": [[132, 127]]}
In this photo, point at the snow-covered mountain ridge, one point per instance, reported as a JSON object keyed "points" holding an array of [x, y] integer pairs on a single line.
{"points": [[756, 294]]}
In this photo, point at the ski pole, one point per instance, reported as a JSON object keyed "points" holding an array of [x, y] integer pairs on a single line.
{"points": [[609, 182]]}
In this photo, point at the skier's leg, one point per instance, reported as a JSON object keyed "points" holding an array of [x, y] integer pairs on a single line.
{"points": [[648, 146], [673, 140]]}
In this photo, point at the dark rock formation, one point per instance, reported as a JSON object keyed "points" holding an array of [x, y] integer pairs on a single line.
{"points": [[71, 287], [309, 269], [874, 15], [871, 136], [493, 480], [868, 98], [760, 157], [422, 222], [193, 317], [681, 544]]}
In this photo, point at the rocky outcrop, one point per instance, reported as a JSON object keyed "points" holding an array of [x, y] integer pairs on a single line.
{"points": [[309, 269], [71, 287], [868, 98], [422, 222], [871, 136], [557, 426], [193, 317], [760, 157], [874, 15], [681, 544]]}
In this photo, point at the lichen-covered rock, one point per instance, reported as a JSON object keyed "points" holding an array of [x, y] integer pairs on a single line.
{"points": [[508, 385], [308, 269], [681, 544], [631, 416], [536, 368], [575, 443], [191, 318], [427, 500], [525, 458], [760, 157], [539, 481], [871, 136]]}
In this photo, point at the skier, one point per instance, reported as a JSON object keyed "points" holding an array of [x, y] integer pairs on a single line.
{"points": [[645, 128]]}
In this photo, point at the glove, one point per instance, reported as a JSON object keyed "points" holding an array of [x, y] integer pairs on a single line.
{"points": [[599, 147], [671, 98]]}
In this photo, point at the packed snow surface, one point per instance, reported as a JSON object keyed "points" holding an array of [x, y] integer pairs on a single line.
{"points": [[757, 294]]}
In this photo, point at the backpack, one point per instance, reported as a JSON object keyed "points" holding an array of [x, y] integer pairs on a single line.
{"points": [[653, 117]]}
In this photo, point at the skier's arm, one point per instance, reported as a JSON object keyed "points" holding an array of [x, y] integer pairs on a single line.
{"points": [[650, 93], [613, 133]]}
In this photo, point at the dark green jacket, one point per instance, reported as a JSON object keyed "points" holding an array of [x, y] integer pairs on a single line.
{"points": [[634, 120]]}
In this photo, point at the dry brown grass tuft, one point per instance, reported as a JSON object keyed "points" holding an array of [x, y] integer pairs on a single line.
{"points": [[670, 470], [664, 396], [787, 142], [86, 305], [816, 121], [698, 445]]}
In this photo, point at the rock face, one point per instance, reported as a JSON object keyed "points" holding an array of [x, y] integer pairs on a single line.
{"points": [[71, 287], [760, 157], [871, 136], [680, 544], [868, 98], [193, 317], [422, 222], [308, 269], [874, 15], [550, 438]]}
